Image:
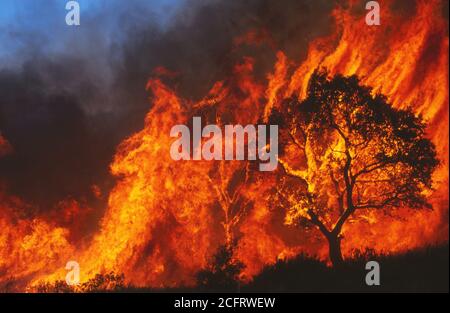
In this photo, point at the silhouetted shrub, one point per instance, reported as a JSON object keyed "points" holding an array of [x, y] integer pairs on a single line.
{"points": [[222, 273], [109, 282]]}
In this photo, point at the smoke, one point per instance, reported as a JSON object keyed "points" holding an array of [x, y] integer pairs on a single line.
{"points": [[68, 96], [200, 43]]}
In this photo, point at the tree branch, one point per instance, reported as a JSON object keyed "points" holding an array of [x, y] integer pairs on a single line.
{"points": [[314, 219]]}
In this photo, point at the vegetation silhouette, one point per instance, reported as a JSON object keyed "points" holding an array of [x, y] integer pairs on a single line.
{"points": [[222, 274], [110, 282], [422, 270]]}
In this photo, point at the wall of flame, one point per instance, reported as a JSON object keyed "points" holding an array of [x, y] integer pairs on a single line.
{"points": [[163, 222]]}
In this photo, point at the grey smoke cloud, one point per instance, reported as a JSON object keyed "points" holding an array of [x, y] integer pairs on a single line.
{"points": [[66, 104]]}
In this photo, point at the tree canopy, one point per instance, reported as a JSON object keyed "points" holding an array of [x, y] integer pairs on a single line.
{"points": [[345, 149]]}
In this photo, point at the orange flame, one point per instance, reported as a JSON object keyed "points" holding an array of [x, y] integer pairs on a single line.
{"points": [[165, 218]]}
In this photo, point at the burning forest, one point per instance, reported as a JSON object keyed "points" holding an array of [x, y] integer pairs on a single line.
{"points": [[362, 115]]}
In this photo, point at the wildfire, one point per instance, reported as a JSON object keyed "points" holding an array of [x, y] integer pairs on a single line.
{"points": [[165, 219]]}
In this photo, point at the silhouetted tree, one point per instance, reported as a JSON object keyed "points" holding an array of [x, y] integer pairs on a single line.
{"points": [[223, 271], [345, 150]]}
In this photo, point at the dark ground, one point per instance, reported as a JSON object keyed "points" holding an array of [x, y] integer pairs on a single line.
{"points": [[425, 270]]}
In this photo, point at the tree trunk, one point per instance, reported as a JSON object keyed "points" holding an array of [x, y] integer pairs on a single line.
{"points": [[334, 245], [333, 237]]}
